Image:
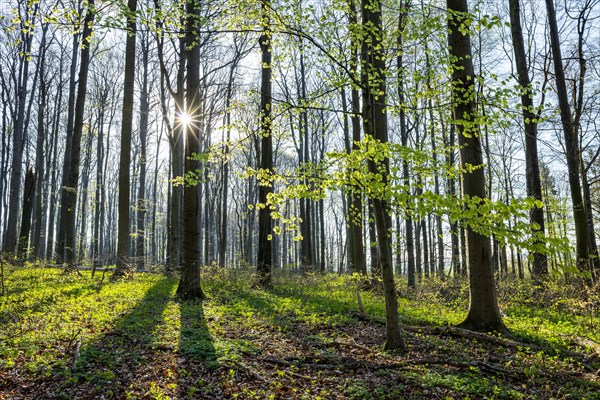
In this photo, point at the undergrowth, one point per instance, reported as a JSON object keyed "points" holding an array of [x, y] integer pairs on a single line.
{"points": [[79, 337]]}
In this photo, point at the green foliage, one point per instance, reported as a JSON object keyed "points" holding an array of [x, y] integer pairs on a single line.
{"points": [[508, 222]]}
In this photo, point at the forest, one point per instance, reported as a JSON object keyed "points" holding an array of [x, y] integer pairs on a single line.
{"points": [[299, 199]]}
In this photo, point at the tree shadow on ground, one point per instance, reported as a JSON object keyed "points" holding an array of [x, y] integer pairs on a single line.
{"points": [[197, 357], [308, 344], [112, 365]]}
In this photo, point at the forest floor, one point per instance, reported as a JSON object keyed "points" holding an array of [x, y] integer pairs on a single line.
{"points": [[78, 337]]}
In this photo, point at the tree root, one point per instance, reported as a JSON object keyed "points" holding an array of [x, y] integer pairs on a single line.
{"points": [[484, 337], [249, 371], [586, 343], [337, 343], [344, 363]]}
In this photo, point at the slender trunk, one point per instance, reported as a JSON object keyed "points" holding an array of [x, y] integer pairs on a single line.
{"points": [[175, 227], [85, 179], [4, 156], [454, 229], [307, 255], [532, 167], [71, 180], [28, 194], [155, 234], [265, 250], [19, 136], [225, 171], [52, 164], [571, 145], [123, 241], [249, 223], [322, 261], [175, 135], [356, 205], [373, 252], [68, 152], [425, 247], [355, 201], [418, 258], [141, 194], [376, 124], [208, 217], [39, 224], [399, 251], [96, 243]]}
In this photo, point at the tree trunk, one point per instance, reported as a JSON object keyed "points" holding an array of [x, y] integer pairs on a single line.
{"points": [[140, 238], [373, 252], [307, 254], [39, 225], [356, 253], [19, 134], [595, 259], [451, 185], [359, 257], [189, 285], [124, 241], [155, 199], [375, 122], [424, 231], [225, 171], [175, 135], [98, 211], [265, 250], [322, 243], [530, 117], [68, 205], [571, 146], [28, 194], [4, 152], [85, 180], [483, 307], [68, 152], [356, 247], [53, 165]]}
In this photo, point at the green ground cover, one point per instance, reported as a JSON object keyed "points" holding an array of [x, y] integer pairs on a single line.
{"points": [[78, 337]]}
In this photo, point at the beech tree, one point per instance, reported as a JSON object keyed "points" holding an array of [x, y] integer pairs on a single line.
{"points": [[408, 221], [39, 224], [376, 124], [484, 313], [70, 179], [189, 284], [175, 134], [27, 17], [356, 250], [142, 201], [530, 118], [572, 149], [123, 241], [265, 245]]}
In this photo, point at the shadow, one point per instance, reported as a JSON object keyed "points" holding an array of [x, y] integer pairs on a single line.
{"points": [[197, 358], [111, 365], [349, 349]]}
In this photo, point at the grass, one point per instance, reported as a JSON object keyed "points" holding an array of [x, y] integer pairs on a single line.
{"points": [[74, 337]]}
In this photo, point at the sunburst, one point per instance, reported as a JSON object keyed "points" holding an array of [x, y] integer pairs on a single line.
{"points": [[185, 119]]}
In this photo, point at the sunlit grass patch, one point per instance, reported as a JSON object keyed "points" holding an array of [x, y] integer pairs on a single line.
{"points": [[133, 338]]}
